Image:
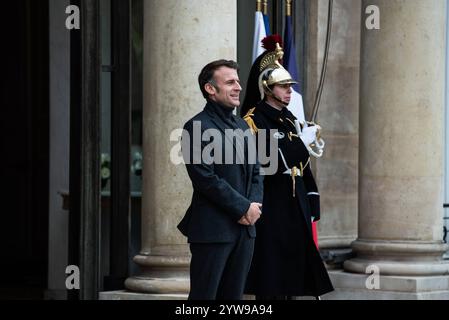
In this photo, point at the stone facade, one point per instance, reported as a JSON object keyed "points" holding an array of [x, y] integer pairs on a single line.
{"points": [[382, 111]]}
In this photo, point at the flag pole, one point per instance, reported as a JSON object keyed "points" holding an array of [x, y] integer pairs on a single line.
{"points": [[265, 17], [259, 31], [259, 6], [288, 8]]}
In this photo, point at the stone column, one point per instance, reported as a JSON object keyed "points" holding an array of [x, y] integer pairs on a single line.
{"points": [[180, 38], [401, 155]]}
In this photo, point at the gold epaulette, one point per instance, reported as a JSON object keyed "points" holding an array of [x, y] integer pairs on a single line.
{"points": [[249, 120]]}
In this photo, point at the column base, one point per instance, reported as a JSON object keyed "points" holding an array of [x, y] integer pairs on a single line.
{"points": [[350, 286], [398, 268], [161, 275], [400, 258]]}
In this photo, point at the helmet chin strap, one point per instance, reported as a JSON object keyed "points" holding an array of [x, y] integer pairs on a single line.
{"points": [[285, 104], [271, 94]]}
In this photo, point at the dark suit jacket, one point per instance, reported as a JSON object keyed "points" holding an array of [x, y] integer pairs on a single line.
{"points": [[222, 193]]}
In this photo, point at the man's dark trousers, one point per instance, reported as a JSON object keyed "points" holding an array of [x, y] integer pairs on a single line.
{"points": [[208, 267]]}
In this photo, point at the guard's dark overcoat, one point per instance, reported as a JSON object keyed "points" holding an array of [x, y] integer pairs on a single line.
{"points": [[286, 261]]}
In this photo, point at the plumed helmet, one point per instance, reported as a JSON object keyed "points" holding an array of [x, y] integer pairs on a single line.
{"points": [[272, 72], [266, 71]]}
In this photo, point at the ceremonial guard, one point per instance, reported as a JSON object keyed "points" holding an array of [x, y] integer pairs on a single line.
{"points": [[286, 262]]}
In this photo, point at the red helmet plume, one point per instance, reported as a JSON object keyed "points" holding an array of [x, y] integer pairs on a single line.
{"points": [[269, 43]]}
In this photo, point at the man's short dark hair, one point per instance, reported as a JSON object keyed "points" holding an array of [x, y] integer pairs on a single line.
{"points": [[207, 74]]}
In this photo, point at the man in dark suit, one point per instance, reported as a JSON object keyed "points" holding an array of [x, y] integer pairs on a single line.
{"points": [[227, 195]]}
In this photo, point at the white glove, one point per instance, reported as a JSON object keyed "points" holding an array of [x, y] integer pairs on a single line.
{"points": [[308, 135]]}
